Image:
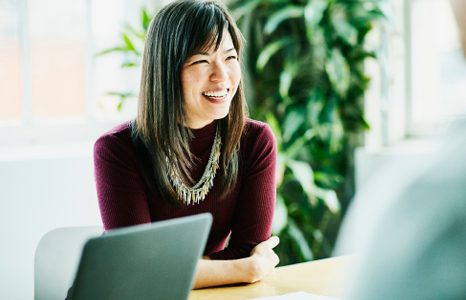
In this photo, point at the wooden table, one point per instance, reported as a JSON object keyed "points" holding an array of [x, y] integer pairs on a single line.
{"points": [[326, 277]]}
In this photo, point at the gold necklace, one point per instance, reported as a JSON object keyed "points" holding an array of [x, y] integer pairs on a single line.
{"points": [[199, 191]]}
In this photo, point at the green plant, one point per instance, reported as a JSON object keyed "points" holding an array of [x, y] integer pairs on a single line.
{"points": [[305, 77], [304, 210], [132, 47]]}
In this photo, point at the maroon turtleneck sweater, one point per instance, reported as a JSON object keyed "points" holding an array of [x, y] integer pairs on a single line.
{"points": [[246, 213]]}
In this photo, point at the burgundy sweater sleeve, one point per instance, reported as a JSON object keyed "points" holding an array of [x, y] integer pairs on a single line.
{"points": [[252, 222], [120, 189]]}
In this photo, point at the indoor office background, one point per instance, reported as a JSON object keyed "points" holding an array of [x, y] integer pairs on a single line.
{"points": [[57, 96]]}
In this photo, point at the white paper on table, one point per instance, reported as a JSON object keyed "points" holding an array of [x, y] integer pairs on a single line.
{"points": [[297, 296]]}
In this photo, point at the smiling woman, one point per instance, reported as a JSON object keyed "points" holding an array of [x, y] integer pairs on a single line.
{"points": [[191, 148]]}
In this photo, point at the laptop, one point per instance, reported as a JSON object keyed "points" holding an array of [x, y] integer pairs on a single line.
{"points": [[150, 261]]}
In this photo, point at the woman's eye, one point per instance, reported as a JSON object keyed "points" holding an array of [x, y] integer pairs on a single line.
{"points": [[199, 61], [232, 57]]}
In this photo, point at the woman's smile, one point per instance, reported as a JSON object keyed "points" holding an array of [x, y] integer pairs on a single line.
{"points": [[216, 96]]}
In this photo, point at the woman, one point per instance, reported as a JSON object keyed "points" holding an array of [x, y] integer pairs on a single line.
{"points": [[191, 149]]}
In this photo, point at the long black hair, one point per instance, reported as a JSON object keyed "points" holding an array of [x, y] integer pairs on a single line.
{"points": [[179, 30]]}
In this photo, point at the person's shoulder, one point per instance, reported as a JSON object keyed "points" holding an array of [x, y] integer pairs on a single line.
{"points": [[255, 124], [120, 134], [258, 134], [121, 130], [254, 128], [258, 144]]}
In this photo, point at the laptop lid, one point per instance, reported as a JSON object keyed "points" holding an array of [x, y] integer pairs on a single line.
{"points": [[150, 261]]}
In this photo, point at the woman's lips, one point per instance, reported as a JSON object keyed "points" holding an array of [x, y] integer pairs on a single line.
{"points": [[216, 96]]}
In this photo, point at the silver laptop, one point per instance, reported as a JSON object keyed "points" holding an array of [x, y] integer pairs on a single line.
{"points": [[151, 261]]}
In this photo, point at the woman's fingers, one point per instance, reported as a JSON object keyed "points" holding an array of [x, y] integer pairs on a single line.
{"points": [[273, 241], [266, 245]]}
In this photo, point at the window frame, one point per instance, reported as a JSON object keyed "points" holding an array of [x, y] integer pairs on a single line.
{"points": [[90, 125]]}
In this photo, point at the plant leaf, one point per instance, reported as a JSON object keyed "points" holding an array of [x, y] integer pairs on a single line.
{"points": [[286, 77], [305, 176], [289, 12], [239, 10], [346, 31], [313, 13], [115, 49], [300, 240], [293, 120], [341, 22], [130, 29], [320, 46], [328, 180], [330, 199], [270, 51], [299, 143], [129, 44], [338, 72], [129, 64], [336, 136], [280, 218], [280, 168], [122, 95], [315, 104], [145, 19], [273, 123]]}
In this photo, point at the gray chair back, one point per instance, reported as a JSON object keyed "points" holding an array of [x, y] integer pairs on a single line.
{"points": [[56, 260]]}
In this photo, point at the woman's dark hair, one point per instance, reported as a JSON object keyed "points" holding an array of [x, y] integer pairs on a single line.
{"points": [[179, 30]]}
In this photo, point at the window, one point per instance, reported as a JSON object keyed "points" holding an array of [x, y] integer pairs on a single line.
{"points": [[420, 83], [10, 61], [45, 47], [53, 83], [437, 64]]}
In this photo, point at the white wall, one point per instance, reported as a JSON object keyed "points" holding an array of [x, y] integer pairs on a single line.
{"points": [[369, 162], [42, 187]]}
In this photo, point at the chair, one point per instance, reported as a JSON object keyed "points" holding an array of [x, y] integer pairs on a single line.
{"points": [[56, 260]]}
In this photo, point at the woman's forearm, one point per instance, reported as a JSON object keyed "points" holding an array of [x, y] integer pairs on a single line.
{"points": [[221, 272], [250, 269]]}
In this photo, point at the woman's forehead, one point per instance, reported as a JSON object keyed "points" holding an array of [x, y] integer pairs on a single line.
{"points": [[214, 44]]}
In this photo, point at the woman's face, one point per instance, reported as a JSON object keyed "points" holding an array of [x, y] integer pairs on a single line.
{"points": [[210, 80]]}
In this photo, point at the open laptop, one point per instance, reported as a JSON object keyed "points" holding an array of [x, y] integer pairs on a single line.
{"points": [[151, 261]]}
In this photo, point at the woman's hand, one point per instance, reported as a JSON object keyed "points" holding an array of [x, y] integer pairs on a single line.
{"points": [[255, 267], [263, 259]]}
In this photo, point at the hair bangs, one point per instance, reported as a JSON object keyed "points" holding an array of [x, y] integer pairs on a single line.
{"points": [[209, 30]]}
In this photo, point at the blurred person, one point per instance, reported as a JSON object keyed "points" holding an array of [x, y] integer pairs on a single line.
{"points": [[191, 148], [408, 224]]}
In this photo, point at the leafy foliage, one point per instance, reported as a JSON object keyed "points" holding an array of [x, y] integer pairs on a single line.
{"points": [[305, 77]]}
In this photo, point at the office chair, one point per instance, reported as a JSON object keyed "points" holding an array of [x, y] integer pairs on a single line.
{"points": [[56, 260]]}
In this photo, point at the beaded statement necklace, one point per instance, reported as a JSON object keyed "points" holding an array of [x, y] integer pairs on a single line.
{"points": [[198, 192]]}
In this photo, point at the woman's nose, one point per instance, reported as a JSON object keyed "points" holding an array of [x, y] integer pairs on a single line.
{"points": [[219, 73]]}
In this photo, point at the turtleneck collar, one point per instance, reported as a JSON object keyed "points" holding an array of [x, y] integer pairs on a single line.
{"points": [[207, 130]]}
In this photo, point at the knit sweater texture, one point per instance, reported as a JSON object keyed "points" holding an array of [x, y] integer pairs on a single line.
{"points": [[244, 216]]}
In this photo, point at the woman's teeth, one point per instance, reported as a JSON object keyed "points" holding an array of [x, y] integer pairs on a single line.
{"points": [[219, 94]]}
